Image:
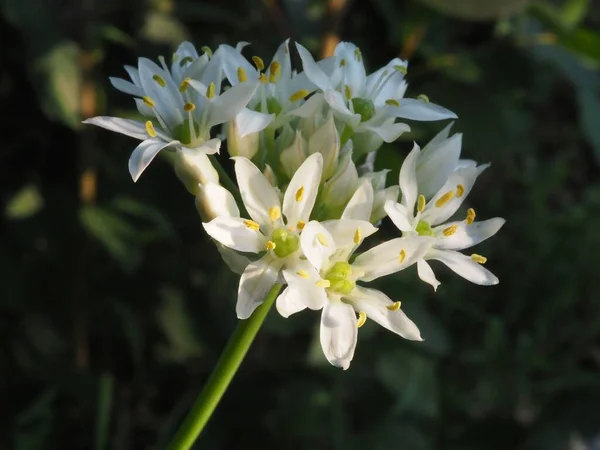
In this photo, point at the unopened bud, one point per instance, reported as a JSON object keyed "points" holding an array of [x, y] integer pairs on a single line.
{"points": [[237, 145], [193, 167]]}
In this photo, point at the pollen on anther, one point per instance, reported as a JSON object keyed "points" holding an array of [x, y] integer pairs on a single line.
{"points": [[274, 71], [150, 129], [400, 68], [444, 199], [258, 62], [357, 55], [300, 194], [478, 258], [470, 216], [421, 203], [184, 84], [450, 230], [160, 80], [347, 92], [207, 50], [271, 245], [342, 62], [460, 190], [252, 225], [392, 102], [210, 90], [362, 318], [300, 225], [263, 79], [357, 236], [402, 256], [189, 107], [148, 101], [323, 284], [274, 213], [241, 74], [299, 95], [394, 306], [423, 97], [322, 239], [184, 61], [303, 274]]}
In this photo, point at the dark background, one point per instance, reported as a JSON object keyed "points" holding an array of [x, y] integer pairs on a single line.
{"points": [[114, 304]]}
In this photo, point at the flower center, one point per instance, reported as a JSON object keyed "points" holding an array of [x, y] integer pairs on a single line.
{"points": [[183, 132], [286, 242], [364, 107], [424, 229], [339, 277]]}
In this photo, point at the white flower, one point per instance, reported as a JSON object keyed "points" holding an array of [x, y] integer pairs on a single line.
{"points": [[431, 216], [181, 114], [273, 227], [329, 280]]}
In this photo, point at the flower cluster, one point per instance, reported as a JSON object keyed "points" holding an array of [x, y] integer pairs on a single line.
{"points": [[303, 145]]}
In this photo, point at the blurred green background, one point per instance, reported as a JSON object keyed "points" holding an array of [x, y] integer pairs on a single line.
{"points": [[114, 305]]}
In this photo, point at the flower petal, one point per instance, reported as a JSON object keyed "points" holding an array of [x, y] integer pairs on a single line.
{"points": [[353, 69], [312, 69], [233, 232], [124, 126], [388, 131], [408, 179], [436, 163], [391, 256], [464, 266], [317, 244], [289, 302], [301, 193], [126, 86], [376, 305], [339, 333], [426, 274], [465, 235], [227, 105], [303, 278], [348, 234], [399, 215], [143, 155], [248, 121], [417, 109], [256, 281], [166, 96], [214, 200], [361, 204]]}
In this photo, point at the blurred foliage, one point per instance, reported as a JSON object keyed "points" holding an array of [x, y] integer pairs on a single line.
{"points": [[114, 306]]}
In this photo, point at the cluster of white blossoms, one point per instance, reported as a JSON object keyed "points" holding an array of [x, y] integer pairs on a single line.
{"points": [[303, 145]]}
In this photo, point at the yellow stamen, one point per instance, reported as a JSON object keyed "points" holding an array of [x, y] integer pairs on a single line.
{"points": [[300, 225], [258, 62], [252, 225], [207, 50], [402, 256], [362, 318], [470, 216], [347, 92], [444, 199], [394, 306], [450, 230], [399, 68], [150, 129], [357, 236], [478, 258], [357, 55], [148, 101], [189, 107], [160, 80], [343, 63], [392, 102], [271, 245], [184, 84], [300, 194], [421, 203], [274, 71], [263, 78], [299, 95], [302, 274], [274, 213], [323, 284], [242, 76], [423, 97], [210, 90], [322, 239], [460, 190]]}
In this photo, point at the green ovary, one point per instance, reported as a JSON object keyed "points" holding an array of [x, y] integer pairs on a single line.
{"points": [[285, 242], [338, 276], [182, 132], [364, 107], [424, 229], [273, 106]]}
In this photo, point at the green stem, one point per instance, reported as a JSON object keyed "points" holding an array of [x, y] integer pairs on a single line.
{"points": [[222, 374]]}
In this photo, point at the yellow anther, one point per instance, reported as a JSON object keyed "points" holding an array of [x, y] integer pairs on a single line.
{"points": [[271, 245], [399, 68], [148, 101], [150, 129], [478, 258], [421, 203], [470, 216], [322, 239], [342, 62], [210, 90], [252, 225], [274, 71], [241, 73], [263, 79], [300, 225], [189, 107], [357, 236], [299, 95], [347, 92], [184, 61], [362, 318], [207, 50], [323, 284], [394, 306], [392, 102], [357, 55], [423, 97], [460, 190], [258, 62], [274, 213], [184, 84], [402, 256], [160, 80], [450, 230], [303, 274], [300, 194], [444, 199]]}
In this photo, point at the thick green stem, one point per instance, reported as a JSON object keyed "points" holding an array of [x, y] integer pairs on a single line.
{"points": [[222, 374]]}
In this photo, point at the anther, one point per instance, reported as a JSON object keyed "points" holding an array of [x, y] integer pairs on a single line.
{"points": [[421, 203], [357, 55], [300, 194], [258, 62], [450, 230], [207, 50], [399, 68], [299, 95], [302, 274], [323, 284], [148, 101], [274, 213], [342, 62], [263, 79], [252, 225], [184, 61], [210, 90], [478, 258], [460, 190], [470, 216], [402, 256], [271, 245], [184, 84], [423, 97], [241, 73], [357, 236], [347, 92], [444, 199], [160, 80], [392, 102], [322, 239], [394, 306], [150, 129], [362, 318], [300, 225], [274, 71], [189, 107]]}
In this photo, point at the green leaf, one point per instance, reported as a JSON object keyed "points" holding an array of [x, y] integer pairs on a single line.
{"points": [[25, 203], [574, 11]]}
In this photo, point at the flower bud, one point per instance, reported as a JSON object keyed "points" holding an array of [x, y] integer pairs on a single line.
{"points": [[292, 157], [213, 200], [238, 145], [326, 140], [338, 190], [193, 166]]}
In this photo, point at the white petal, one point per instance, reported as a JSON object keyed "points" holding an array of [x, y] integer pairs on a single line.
{"points": [[354, 70], [312, 70], [227, 105], [257, 193], [399, 215], [374, 304], [126, 86], [467, 236], [426, 274], [209, 147], [292, 157], [282, 56], [388, 131], [289, 302], [124, 126], [301, 193], [436, 164], [303, 278], [416, 109], [256, 281], [143, 155], [345, 233], [167, 100], [408, 179], [134, 74], [233, 233], [464, 266], [236, 262], [381, 198], [192, 166], [234, 60], [361, 204], [326, 141], [339, 333], [310, 107], [391, 256], [214, 200], [143, 109], [248, 121], [317, 244], [336, 101], [439, 138]]}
